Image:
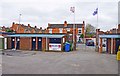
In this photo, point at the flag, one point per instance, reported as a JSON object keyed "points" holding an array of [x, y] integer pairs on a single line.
{"points": [[72, 9], [95, 12]]}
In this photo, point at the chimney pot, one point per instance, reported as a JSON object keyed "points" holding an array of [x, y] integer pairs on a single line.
{"points": [[29, 25], [83, 22], [35, 26], [65, 23]]}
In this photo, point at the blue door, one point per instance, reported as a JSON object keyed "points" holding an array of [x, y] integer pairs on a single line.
{"points": [[39, 43], [33, 43], [12, 42], [18, 43], [117, 45], [107, 46]]}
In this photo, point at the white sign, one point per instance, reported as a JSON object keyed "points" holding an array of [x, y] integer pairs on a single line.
{"points": [[55, 47]]}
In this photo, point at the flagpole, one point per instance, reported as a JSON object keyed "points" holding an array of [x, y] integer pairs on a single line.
{"points": [[97, 47], [72, 9], [74, 31]]}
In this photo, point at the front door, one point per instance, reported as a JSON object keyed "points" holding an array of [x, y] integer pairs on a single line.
{"points": [[39, 43], [18, 43], [12, 42], [33, 43]]}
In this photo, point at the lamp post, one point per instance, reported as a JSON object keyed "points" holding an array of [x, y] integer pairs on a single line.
{"points": [[72, 9], [17, 31]]}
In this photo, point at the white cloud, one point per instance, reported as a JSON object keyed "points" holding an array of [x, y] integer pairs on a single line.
{"points": [[42, 12]]}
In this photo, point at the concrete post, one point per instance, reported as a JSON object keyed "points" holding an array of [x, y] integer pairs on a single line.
{"points": [[46, 44], [36, 43], [100, 50], [15, 43], [111, 45], [30, 43]]}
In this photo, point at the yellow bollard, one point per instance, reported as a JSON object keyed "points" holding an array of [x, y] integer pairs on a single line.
{"points": [[118, 54]]}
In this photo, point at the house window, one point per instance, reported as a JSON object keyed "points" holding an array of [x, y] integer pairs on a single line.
{"points": [[68, 29], [61, 30], [79, 31], [50, 30]]}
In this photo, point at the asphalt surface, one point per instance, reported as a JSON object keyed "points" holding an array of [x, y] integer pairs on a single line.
{"points": [[83, 61]]}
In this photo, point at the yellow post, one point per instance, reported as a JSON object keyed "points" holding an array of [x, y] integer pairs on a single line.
{"points": [[118, 54]]}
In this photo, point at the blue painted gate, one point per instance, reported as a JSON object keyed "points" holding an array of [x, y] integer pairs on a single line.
{"points": [[12, 42], [33, 43], [18, 43], [39, 43]]}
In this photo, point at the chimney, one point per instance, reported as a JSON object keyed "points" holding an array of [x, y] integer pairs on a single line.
{"points": [[83, 22], [40, 28], [48, 24], [13, 23], [119, 27], [29, 25], [35, 26], [65, 24]]}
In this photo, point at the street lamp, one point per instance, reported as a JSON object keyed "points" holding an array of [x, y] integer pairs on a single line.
{"points": [[72, 9], [17, 31]]}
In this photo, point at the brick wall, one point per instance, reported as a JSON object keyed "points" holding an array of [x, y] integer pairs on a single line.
{"points": [[55, 30], [43, 44], [114, 46], [8, 43], [109, 46]]}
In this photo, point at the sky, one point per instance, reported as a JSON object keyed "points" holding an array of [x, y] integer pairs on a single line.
{"points": [[41, 12]]}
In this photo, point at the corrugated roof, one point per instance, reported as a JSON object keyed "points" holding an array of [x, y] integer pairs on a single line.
{"points": [[109, 36], [37, 35]]}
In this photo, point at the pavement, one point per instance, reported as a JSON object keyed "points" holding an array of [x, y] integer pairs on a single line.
{"points": [[83, 61]]}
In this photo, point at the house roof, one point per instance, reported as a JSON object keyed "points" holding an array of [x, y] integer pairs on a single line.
{"points": [[110, 36], [37, 35], [62, 26], [31, 28]]}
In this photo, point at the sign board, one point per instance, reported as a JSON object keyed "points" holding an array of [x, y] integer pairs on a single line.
{"points": [[55, 47]]}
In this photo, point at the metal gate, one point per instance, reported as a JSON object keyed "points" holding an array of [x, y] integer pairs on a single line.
{"points": [[33, 43], [39, 43]]}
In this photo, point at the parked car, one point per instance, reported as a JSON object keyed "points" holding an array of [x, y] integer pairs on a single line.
{"points": [[90, 43]]}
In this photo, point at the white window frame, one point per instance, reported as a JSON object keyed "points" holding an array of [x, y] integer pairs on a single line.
{"points": [[79, 30], [61, 30], [68, 29], [50, 30]]}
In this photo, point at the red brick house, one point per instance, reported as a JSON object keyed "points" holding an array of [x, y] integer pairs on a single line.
{"points": [[20, 28], [67, 28]]}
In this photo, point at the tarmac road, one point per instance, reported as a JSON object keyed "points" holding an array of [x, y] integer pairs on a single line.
{"points": [[83, 61]]}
